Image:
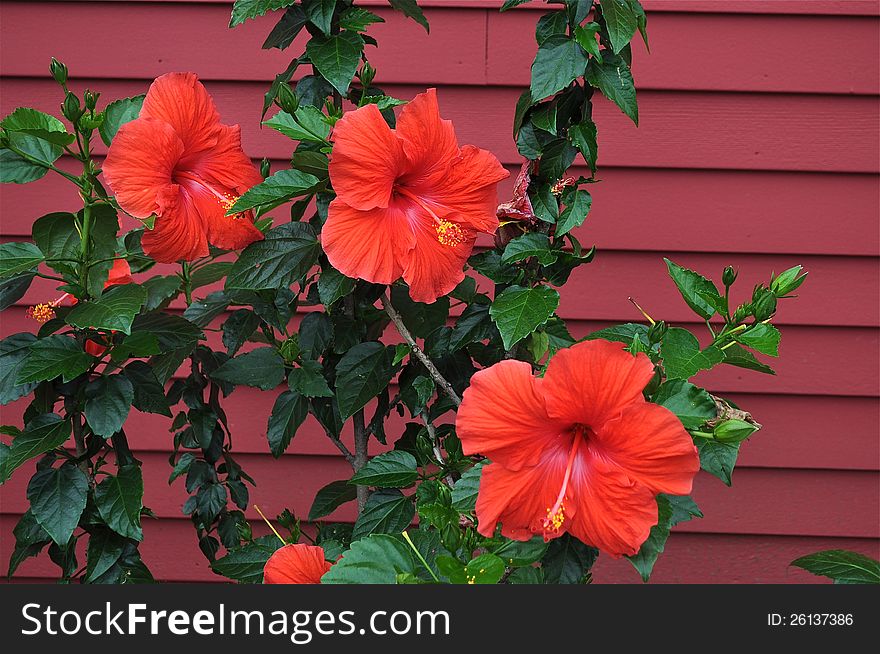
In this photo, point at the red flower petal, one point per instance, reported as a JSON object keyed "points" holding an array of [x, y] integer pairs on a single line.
{"points": [[120, 273], [180, 100], [607, 509], [296, 564], [367, 244], [227, 232], [502, 416], [428, 140], [140, 163], [651, 445], [591, 382], [432, 268], [178, 233], [367, 158], [226, 165], [469, 189]]}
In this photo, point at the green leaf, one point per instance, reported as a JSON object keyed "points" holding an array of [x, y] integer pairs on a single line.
{"points": [[108, 400], [466, 489], [41, 434], [262, 368], [578, 204], [118, 500], [308, 380], [320, 13], [18, 257], [307, 124], [484, 569], [13, 289], [114, 310], [333, 285], [762, 337], [57, 237], [411, 9], [36, 124], [105, 225], [383, 102], [244, 9], [104, 550], [671, 510], [202, 312], [149, 394], [238, 328], [288, 414], [568, 561], [695, 288], [378, 559], [212, 272], [742, 358], [691, 404], [14, 351], [842, 566], [160, 289], [621, 20], [560, 61], [173, 332], [361, 375], [518, 553], [336, 57], [358, 19], [682, 356], [614, 79], [717, 458], [331, 497], [286, 30], [553, 23], [58, 498], [395, 469], [277, 189], [30, 538], [583, 137], [117, 113], [388, 511], [53, 356], [518, 311], [420, 318], [532, 244], [585, 35], [510, 4], [288, 252], [210, 501], [245, 564]]}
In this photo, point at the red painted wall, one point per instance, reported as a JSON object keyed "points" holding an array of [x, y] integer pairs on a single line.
{"points": [[758, 147]]}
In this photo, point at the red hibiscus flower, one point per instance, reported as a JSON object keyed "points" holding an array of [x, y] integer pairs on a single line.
{"points": [[410, 201], [296, 564], [177, 162], [577, 451]]}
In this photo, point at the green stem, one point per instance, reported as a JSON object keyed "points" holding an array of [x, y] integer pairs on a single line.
{"points": [[84, 243], [185, 275], [43, 164]]}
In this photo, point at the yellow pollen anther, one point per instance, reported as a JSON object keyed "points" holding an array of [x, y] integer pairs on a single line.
{"points": [[41, 313], [449, 233], [227, 200]]}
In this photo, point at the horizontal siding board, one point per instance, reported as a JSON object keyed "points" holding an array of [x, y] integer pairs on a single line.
{"points": [[799, 431], [674, 210], [156, 38], [802, 502], [615, 275], [678, 129], [678, 41]]}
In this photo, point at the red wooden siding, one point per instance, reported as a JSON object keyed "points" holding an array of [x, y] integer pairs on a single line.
{"points": [[761, 157]]}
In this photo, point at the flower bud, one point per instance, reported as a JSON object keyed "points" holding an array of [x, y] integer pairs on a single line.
{"points": [[58, 71], [657, 331], [265, 168], [91, 99], [286, 99], [733, 431], [787, 281], [450, 536], [765, 306], [742, 312], [92, 121], [728, 276], [71, 108], [367, 74]]}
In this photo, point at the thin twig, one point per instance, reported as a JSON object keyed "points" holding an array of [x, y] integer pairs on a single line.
{"points": [[342, 448], [435, 445], [361, 439], [438, 378]]}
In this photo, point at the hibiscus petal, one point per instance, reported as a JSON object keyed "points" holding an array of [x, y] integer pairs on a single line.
{"points": [[608, 509], [177, 234], [181, 100], [469, 189], [366, 159], [433, 269], [651, 445], [519, 499], [296, 564], [502, 416], [139, 164], [369, 244], [227, 232], [428, 140], [226, 165], [591, 382]]}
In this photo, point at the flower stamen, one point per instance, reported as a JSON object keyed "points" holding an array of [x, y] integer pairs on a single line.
{"points": [[45, 311], [556, 513], [448, 232]]}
